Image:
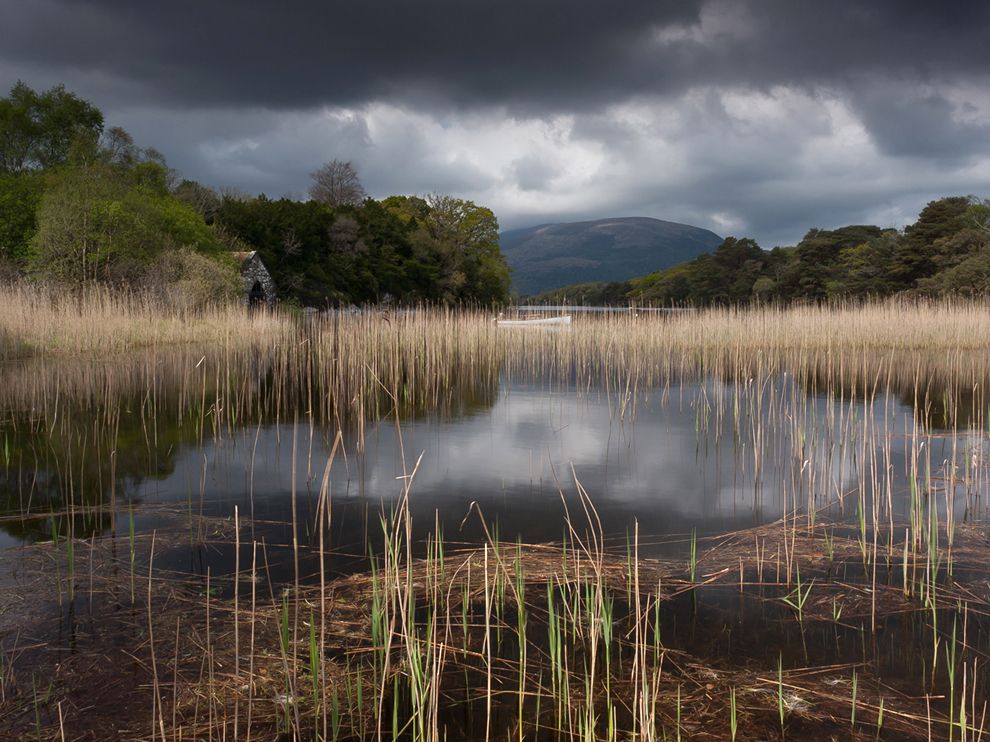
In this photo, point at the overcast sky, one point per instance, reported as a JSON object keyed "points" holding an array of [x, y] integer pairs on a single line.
{"points": [[748, 117]]}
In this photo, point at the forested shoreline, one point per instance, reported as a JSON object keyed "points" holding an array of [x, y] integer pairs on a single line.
{"points": [[945, 252], [82, 204]]}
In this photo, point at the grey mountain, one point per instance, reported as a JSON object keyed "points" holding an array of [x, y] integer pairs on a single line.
{"points": [[551, 255]]}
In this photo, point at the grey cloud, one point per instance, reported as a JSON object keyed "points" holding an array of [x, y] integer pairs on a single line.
{"points": [[252, 95], [919, 124], [262, 151], [304, 53], [770, 167], [533, 173], [540, 55]]}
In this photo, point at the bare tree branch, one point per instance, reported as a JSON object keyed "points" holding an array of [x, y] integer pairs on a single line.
{"points": [[337, 184]]}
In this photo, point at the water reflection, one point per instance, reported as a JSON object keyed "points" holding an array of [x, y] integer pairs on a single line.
{"points": [[80, 439], [652, 460], [714, 456]]}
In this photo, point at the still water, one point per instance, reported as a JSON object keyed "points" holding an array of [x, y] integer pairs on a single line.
{"points": [[507, 455], [665, 458]]}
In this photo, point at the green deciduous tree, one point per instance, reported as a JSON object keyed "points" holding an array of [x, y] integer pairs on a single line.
{"points": [[104, 223], [727, 276], [458, 242], [204, 200], [863, 270], [914, 257], [19, 199], [38, 130], [187, 279], [815, 272]]}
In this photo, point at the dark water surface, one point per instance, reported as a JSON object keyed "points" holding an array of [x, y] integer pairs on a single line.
{"points": [[658, 457], [507, 456]]}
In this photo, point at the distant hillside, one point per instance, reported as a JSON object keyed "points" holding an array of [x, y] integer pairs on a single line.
{"points": [[553, 255]]}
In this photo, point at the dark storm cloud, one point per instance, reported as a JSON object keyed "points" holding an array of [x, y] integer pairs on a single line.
{"points": [[919, 123], [306, 53], [762, 117], [541, 54]]}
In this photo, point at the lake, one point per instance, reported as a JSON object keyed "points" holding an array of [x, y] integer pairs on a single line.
{"points": [[609, 538]]}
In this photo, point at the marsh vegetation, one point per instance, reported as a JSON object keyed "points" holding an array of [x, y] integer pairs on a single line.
{"points": [[726, 524]]}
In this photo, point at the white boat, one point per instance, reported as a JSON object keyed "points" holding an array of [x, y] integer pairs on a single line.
{"points": [[535, 322]]}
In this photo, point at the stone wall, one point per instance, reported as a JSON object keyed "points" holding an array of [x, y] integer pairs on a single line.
{"points": [[253, 271]]}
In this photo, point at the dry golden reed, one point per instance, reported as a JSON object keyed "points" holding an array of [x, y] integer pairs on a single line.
{"points": [[42, 320]]}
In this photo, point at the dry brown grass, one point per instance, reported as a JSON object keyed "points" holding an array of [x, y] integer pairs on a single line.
{"points": [[892, 324], [109, 685], [98, 320], [42, 320]]}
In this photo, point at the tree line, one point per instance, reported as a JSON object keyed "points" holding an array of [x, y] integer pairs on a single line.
{"points": [[81, 203], [946, 251]]}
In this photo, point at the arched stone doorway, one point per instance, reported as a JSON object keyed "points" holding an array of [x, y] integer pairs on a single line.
{"points": [[257, 295]]}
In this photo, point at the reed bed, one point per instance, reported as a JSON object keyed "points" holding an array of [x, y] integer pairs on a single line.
{"points": [[99, 322], [343, 365]]}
